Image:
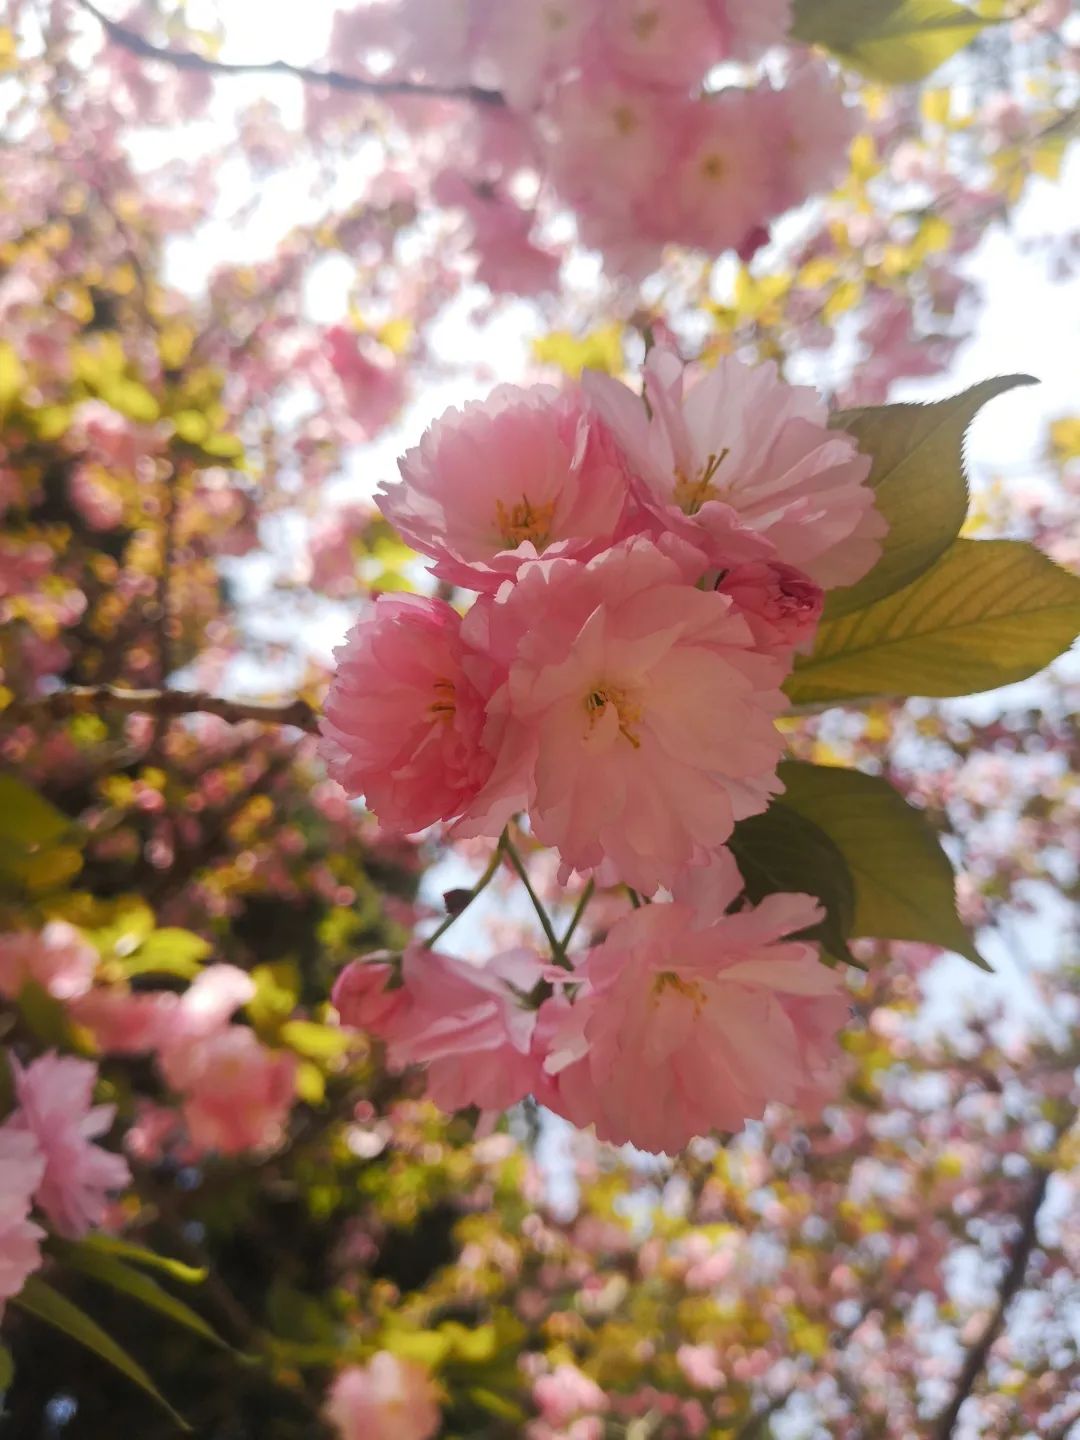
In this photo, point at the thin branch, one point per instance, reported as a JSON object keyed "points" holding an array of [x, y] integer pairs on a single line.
{"points": [[1011, 1281], [579, 911], [557, 953], [83, 699], [480, 886], [179, 59]]}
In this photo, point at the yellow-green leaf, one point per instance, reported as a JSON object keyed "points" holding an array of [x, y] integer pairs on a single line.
{"points": [[35, 852], [168, 951], [139, 1255], [989, 613], [895, 41], [12, 377], [600, 349], [130, 398], [918, 481], [26, 817], [904, 883], [42, 1301], [316, 1042]]}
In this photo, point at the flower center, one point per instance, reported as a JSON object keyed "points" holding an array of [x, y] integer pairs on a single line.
{"points": [[444, 705], [628, 711], [688, 989], [624, 119], [714, 166], [691, 494], [524, 521], [644, 23]]}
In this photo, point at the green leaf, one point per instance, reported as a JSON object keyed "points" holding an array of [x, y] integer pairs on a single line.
{"points": [[34, 852], [782, 850], [129, 921], [42, 1301], [989, 613], [12, 377], [7, 1369], [127, 1280], [904, 882], [26, 818], [918, 481], [897, 42], [169, 951], [139, 1255], [45, 1017]]}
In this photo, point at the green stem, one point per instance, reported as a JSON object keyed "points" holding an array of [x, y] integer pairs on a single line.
{"points": [[586, 896], [481, 885], [515, 859]]}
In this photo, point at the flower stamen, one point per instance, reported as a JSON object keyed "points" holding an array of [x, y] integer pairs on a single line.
{"points": [[689, 989], [445, 703], [691, 495], [524, 522], [629, 713]]}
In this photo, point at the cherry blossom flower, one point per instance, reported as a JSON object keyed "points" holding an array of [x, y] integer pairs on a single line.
{"points": [[404, 716], [387, 1399], [659, 42], [817, 129], [22, 1165], [750, 27], [636, 721], [468, 1023], [680, 1029], [566, 1393], [721, 185], [57, 958], [521, 474], [54, 1094], [237, 1093], [780, 604], [123, 1022], [743, 465]]}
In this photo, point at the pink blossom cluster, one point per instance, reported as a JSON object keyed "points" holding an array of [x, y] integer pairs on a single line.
{"points": [[646, 567], [611, 104], [387, 1399], [235, 1093], [49, 1157]]}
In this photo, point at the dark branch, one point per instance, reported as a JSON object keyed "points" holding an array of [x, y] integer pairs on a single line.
{"points": [[80, 699], [179, 59], [1011, 1281]]}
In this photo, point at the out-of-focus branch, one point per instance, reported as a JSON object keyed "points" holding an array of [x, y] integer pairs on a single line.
{"points": [[180, 59], [83, 699], [977, 1355]]}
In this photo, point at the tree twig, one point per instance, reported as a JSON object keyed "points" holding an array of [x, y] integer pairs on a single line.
{"points": [[83, 699], [1011, 1281], [136, 44]]}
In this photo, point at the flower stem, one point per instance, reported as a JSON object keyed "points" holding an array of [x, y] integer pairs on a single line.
{"points": [[557, 952], [481, 885], [635, 898], [579, 911]]}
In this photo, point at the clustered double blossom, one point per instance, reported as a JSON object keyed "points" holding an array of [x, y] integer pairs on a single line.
{"points": [[645, 568], [50, 1159], [234, 1094], [605, 105]]}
